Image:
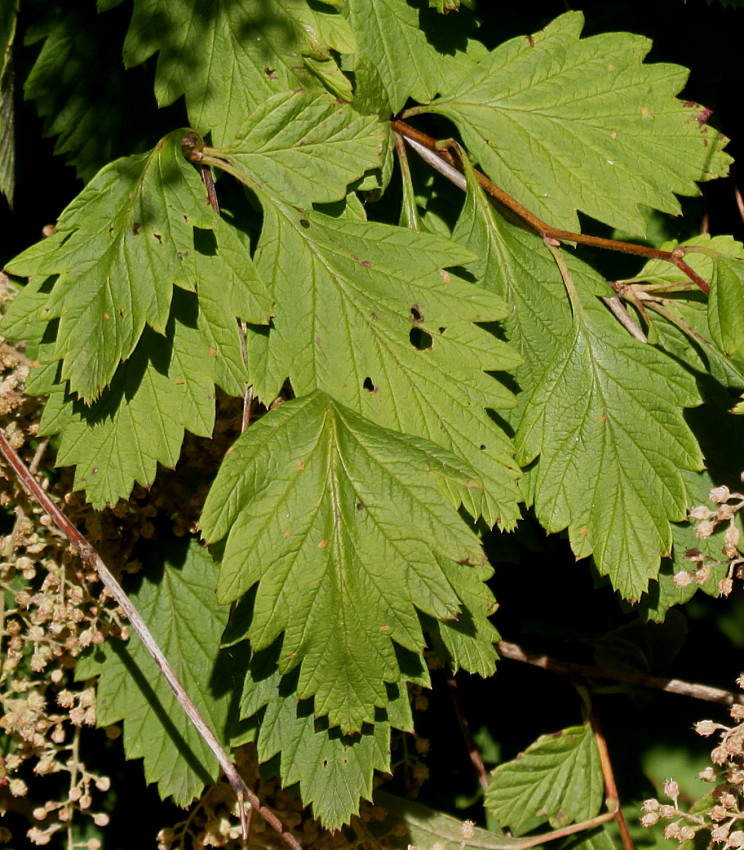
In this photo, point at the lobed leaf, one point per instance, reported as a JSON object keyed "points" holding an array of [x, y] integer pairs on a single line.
{"points": [[228, 58], [165, 387], [305, 147], [176, 600], [364, 312], [396, 58], [90, 115], [119, 249], [342, 525], [601, 412], [557, 779], [566, 124], [334, 771]]}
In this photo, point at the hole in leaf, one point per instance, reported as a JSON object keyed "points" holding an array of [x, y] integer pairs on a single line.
{"points": [[442, 330], [420, 339], [416, 314], [205, 242], [369, 386]]}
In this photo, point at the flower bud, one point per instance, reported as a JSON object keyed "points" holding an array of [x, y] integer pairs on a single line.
{"points": [[720, 494], [705, 727], [671, 789]]}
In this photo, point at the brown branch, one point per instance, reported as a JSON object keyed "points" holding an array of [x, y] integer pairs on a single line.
{"points": [[91, 557], [419, 140], [514, 652], [608, 775]]}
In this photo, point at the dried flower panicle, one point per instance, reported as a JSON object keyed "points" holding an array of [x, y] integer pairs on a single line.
{"points": [[724, 818], [728, 504]]}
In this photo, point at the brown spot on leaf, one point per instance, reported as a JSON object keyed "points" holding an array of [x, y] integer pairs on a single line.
{"points": [[301, 465], [106, 316], [530, 40], [584, 531], [384, 628], [286, 534], [213, 352], [322, 544]]}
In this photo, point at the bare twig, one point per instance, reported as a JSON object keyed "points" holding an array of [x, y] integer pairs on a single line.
{"points": [[622, 315], [514, 652], [611, 794], [475, 756], [440, 159], [91, 557]]}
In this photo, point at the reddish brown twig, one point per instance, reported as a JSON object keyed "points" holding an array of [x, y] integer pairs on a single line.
{"points": [[91, 557], [421, 140], [611, 796]]}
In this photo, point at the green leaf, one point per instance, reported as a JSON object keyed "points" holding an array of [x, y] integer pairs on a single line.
{"points": [[229, 287], [407, 823], [395, 58], [364, 312], [8, 15], [334, 771], [176, 600], [89, 114], [165, 387], [565, 124], [342, 525], [726, 307], [595, 405], [557, 779], [468, 642], [239, 55], [701, 257], [305, 147], [607, 423], [120, 247]]}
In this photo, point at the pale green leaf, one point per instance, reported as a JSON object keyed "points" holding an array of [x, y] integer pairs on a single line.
{"points": [[342, 524], [726, 307], [469, 641], [565, 124], [334, 771], [602, 411], [606, 421], [396, 59], [176, 600], [364, 312], [557, 779], [165, 387], [238, 54], [120, 247], [305, 147], [229, 288]]}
